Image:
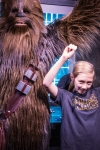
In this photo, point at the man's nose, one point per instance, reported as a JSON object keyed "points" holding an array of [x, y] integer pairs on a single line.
{"points": [[84, 86]]}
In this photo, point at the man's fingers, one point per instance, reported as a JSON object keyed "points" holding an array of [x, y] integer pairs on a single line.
{"points": [[72, 47]]}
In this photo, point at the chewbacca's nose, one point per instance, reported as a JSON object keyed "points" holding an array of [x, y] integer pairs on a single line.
{"points": [[20, 14]]}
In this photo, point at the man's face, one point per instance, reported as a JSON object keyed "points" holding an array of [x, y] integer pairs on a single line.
{"points": [[83, 82]]}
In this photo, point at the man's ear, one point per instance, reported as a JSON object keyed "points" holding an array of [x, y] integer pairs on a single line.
{"points": [[72, 77]]}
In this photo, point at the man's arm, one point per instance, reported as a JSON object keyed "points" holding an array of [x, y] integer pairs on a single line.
{"points": [[47, 82]]}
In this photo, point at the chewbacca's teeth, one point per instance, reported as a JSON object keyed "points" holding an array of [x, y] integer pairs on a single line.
{"points": [[20, 23]]}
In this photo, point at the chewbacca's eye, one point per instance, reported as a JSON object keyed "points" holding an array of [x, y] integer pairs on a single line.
{"points": [[26, 11], [15, 10]]}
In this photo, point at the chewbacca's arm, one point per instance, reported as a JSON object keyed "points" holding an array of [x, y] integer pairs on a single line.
{"points": [[82, 26]]}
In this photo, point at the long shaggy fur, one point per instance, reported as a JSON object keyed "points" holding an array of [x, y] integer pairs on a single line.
{"points": [[29, 126], [81, 27]]}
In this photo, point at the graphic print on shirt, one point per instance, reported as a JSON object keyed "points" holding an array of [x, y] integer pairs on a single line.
{"points": [[85, 104]]}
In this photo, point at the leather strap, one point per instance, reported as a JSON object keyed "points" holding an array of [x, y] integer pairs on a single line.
{"points": [[22, 89], [15, 100], [20, 92]]}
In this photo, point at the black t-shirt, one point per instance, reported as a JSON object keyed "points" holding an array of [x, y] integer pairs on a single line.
{"points": [[64, 82], [80, 127]]}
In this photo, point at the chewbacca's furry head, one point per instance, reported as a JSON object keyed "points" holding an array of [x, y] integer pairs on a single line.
{"points": [[23, 13], [21, 25], [20, 16]]}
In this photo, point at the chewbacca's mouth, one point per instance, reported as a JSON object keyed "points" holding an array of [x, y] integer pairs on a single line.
{"points": [[20, 23]]}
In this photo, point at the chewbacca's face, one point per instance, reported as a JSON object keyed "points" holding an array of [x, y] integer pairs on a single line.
{"points": [[21, 20], [22, 14], [21, 26]]}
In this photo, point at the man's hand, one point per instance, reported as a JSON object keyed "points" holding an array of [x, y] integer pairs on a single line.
{"points": [[69, 51], [47, 82]]}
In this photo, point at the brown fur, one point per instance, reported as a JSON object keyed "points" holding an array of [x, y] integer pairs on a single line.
{"points": [[29, 125], [81, 26]]}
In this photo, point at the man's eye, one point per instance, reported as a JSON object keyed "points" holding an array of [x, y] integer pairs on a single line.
{"points": [[80, 82], [89, 83]]}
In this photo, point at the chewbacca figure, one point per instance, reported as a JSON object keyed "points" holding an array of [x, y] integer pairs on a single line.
{"points": [[26, 43]]}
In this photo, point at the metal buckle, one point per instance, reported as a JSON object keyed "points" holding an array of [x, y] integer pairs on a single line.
{"points": [[23, 87], [31, 75]]}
